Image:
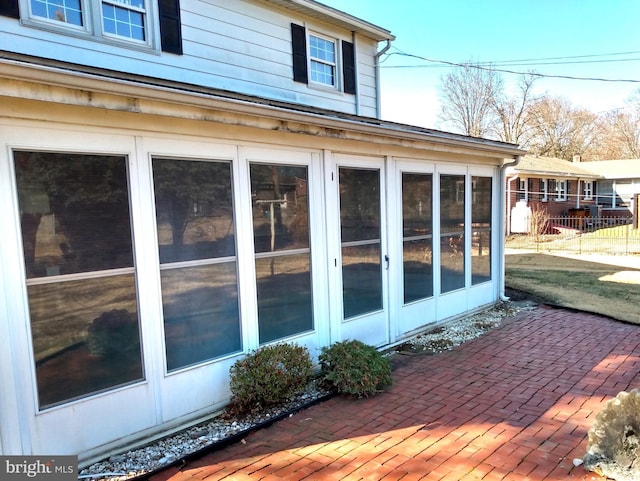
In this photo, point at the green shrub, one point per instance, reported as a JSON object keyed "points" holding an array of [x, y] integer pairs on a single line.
{"points": [[354, 369], [269, 376]]}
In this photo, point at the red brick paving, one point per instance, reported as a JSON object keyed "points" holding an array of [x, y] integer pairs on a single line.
{"points": [[512, 405]]}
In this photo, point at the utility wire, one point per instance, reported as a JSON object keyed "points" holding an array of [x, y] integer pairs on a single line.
{"points": [[482, 67]]}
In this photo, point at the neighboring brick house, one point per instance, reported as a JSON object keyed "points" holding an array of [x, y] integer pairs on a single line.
{"points": [[184, 181], [559, 187]]}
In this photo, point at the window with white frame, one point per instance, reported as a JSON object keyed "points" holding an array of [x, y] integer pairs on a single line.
{"points": [[115, 19], [322, 60], [587, 189], [521, 192], [544, 190], [561, 190]]}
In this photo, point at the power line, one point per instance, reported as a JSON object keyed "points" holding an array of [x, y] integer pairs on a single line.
{"points": [[483, 67]]}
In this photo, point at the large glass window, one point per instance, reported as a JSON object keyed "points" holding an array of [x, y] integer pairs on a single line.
{"points": [[417, 236], [282, 250], [481, 229], [196, 237], [361, 241], [77, 245], [452, 248]]}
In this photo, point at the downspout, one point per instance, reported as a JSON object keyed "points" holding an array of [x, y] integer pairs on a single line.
{"points": [[503, 217], [377, 69]]}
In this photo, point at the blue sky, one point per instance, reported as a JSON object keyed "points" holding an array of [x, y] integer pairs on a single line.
{"points": [[592, 32]]}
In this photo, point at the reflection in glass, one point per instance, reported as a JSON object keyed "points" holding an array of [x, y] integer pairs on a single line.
{"points": [[85, 336], [418, 269], [452, 248], [200, 305], [194, 209], [417, 236], [281, 239], [194, 219], [284, 296], [74, 212], [481, 226], [361, 279], [359, 204], [361, 248]]}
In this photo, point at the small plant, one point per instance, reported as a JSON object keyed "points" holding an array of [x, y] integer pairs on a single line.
{"points": [[269, 376], [354, 369]]}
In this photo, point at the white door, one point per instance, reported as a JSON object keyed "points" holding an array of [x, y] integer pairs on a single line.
{"points": [[358, 250], [412, 228]]}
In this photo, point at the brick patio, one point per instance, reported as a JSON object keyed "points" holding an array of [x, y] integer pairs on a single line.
{"points": [[514, 404]]}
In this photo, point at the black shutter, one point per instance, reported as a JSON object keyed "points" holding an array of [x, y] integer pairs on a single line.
{"points": [[299, 47], [9, 8], [170, 26], [349, 67]]}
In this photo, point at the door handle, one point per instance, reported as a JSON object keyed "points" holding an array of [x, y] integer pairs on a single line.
{"points": [[386, 259]]}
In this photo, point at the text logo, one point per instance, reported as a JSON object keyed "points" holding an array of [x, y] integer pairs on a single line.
{"points": [[44, 468]]}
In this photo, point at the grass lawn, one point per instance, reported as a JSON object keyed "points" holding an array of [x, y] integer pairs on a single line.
{"points": [[589, 283]]}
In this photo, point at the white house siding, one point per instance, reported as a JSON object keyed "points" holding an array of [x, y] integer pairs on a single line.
{"points": [[142, 124], [241, 46]]}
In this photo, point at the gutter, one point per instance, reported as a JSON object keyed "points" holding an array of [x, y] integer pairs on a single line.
{"points": [[503, 216]]}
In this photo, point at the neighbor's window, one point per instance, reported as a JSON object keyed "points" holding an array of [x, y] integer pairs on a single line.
{"points": [[80, 276], [587, 189], [561, 190], [544, 190], [521, 191], [322, 60], [124, 19]]}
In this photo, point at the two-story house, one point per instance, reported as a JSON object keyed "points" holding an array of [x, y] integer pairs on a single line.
{"points": [[183, 181]]}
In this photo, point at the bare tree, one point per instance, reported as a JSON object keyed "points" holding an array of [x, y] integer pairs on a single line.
{"points": [[467, 99], [560, 130], [513, 116]]}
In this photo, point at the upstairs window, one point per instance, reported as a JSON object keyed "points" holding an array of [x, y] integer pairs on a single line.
{"points": [[322, 60], [124, 18], [130, 20], [65, 11], [117, 18]]}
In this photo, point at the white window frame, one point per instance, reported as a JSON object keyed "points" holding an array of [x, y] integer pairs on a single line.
{"points": [[93, 23], [335, 65], [544, 193], [587, 189], [561, 190]]}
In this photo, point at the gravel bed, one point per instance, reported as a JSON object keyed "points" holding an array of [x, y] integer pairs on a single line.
{"points": [[138, 463]]}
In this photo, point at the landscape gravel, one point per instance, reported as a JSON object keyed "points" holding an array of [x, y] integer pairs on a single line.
{"points": [[137, 463]]}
